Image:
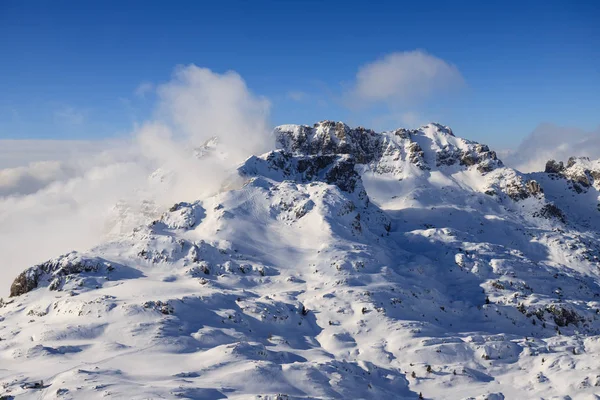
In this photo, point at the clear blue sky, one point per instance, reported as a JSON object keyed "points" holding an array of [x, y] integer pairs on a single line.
{"points": [[69, 69]]}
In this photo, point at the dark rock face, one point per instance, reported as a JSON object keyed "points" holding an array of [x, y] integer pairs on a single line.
{"points": [[519, 189], [368, 147], [563, 316], [336, 170], [448, 156], [53, 272], [517, 192], [578, 172], [416, 155], [403, 133], [552, 167], [343, 175], [468, 160], [481, 156], [24, 283], [161, 306], [332, 138], [534, 188], [551, 211]]}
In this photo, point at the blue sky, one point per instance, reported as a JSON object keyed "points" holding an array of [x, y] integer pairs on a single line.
{"points": [[73, 70]]}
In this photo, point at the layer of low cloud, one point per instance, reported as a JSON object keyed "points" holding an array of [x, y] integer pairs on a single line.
{"points": [[33, 177], [74, 195], [403, 79], [17, 153], [552, 142]]}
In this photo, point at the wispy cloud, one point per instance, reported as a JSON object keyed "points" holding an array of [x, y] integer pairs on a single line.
{"points": [[69, 115], [144, 89], [552, 142]]}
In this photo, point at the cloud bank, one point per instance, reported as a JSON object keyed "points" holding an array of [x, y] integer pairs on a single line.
{"points": [[32, 178], [552, 142], [66, 198], [18, 153]]}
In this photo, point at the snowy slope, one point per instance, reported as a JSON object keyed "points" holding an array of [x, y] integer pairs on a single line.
{"points": [[344, 264]]}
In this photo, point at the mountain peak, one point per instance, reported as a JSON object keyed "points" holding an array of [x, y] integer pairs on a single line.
{"points": [[347, 263], [439, 128], [431, 146]]}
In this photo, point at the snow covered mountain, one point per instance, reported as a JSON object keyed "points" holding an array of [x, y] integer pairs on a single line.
{"points": [[344, 264]]}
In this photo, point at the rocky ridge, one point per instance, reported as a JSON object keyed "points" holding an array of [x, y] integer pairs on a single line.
{"points": [[349, 263]]}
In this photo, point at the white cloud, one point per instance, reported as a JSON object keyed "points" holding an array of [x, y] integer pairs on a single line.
{"points": [[199, 104], [51, 203], [27, 166], [403, 79], [20, 152], [551, 142], [29, 179], [144, 89]]}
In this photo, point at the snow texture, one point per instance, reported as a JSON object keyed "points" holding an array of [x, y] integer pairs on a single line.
{"points": [[344, 264]]}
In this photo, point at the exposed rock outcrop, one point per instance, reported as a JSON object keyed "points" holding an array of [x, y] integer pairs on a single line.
{"points": [[551, 211], [54, 272], [387, 152], [580, 172], [553, 167]]}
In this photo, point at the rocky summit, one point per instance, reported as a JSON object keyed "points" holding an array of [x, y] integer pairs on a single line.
{"points": [[346, 263]]}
